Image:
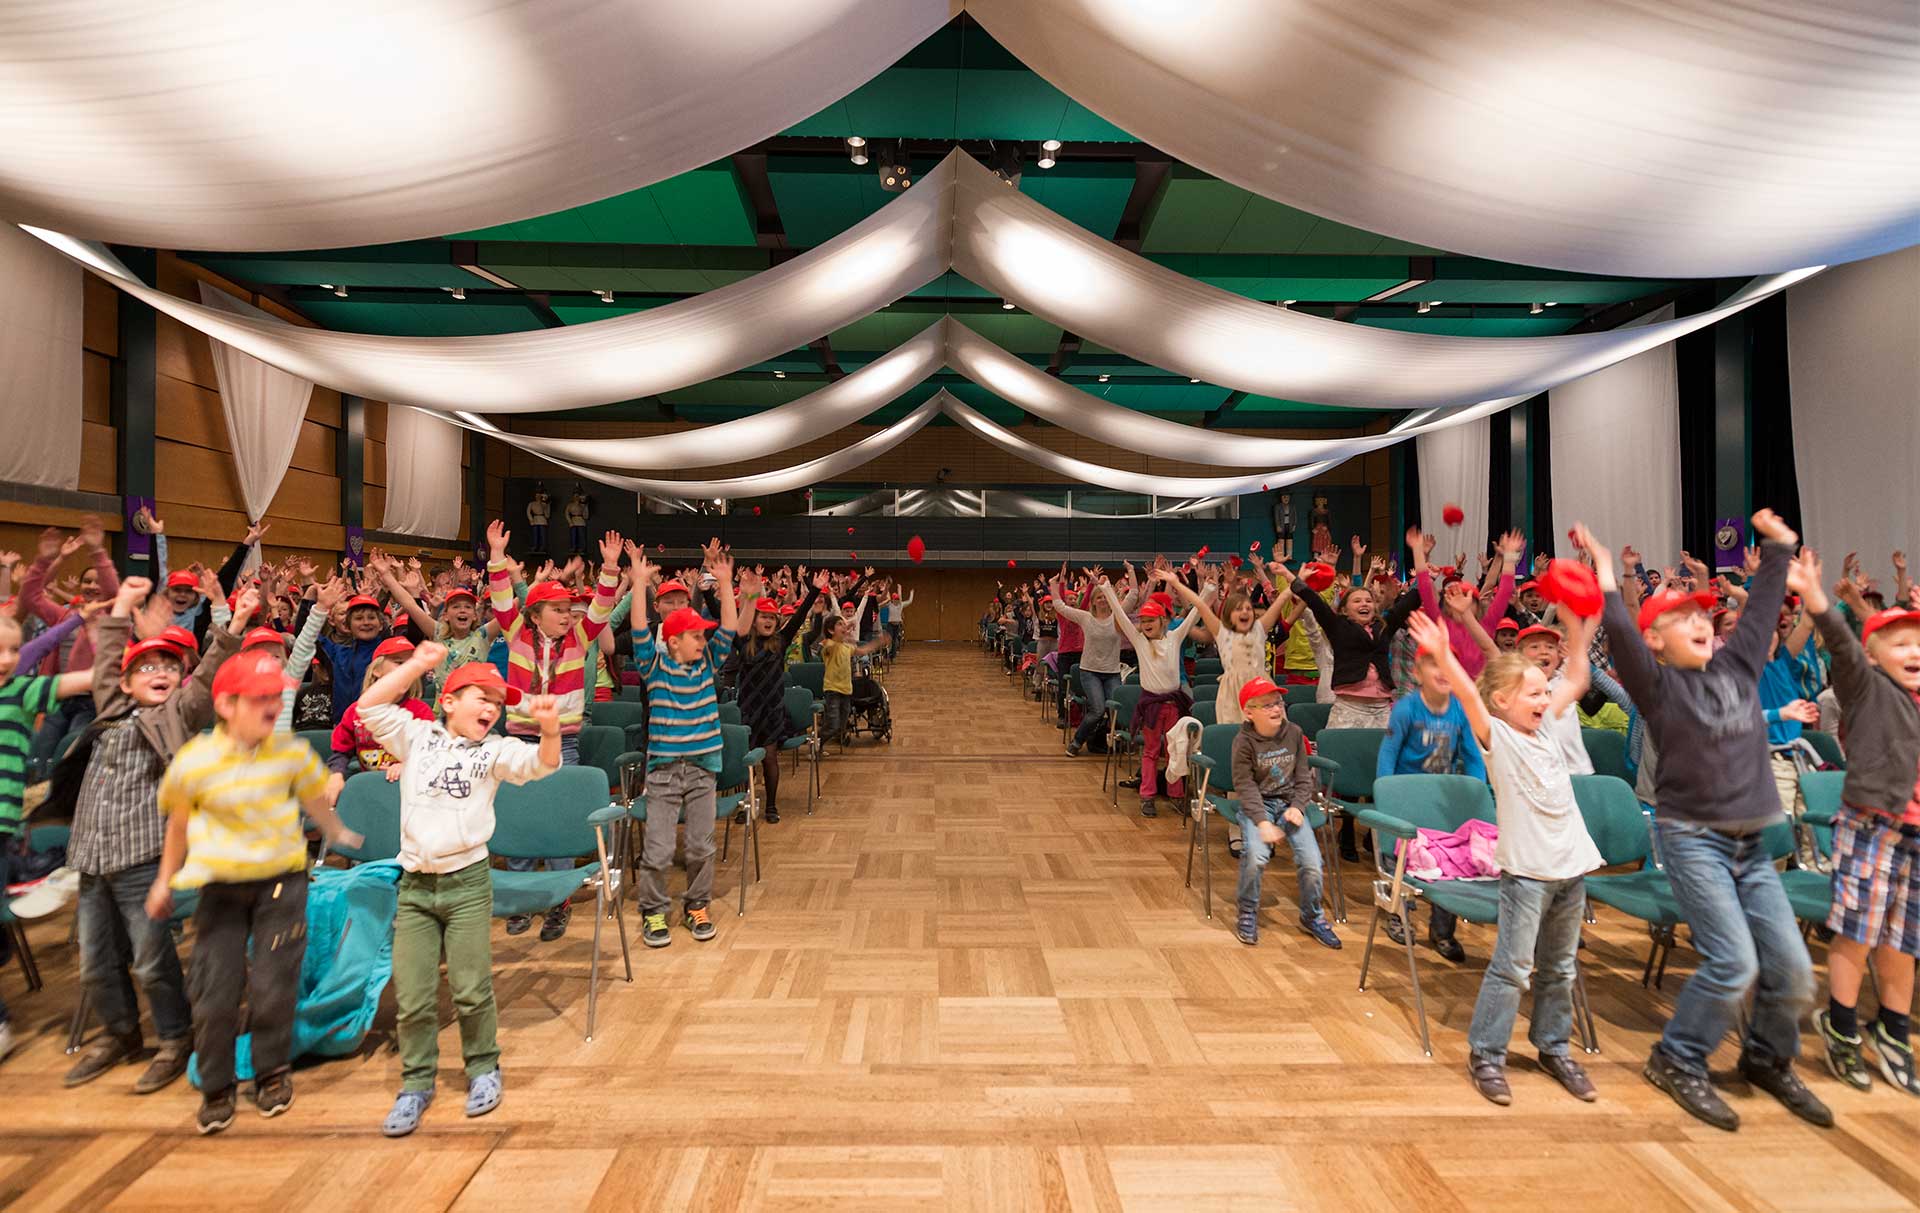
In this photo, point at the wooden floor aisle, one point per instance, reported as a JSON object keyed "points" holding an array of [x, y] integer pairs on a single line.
{"points": [[966, 982]]}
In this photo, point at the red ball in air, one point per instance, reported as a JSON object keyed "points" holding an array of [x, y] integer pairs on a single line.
{"points": [[916, 549], [1012, 563], [1452, 514]]}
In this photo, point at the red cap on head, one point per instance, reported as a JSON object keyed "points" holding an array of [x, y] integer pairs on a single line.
{"points": [[361, 600], [461, 592], [787, 608], [1254, 689], [1540, 629], [1317, 575], [251, 674], [1573, 586], [156, 645], [260, 636], [180, 638], [393, 646], [548, 591], [766, 604], [685, 619], [181, 577], [1507, 625], [1659, 604], [671, 587], [1153, 610], [486, 676], [1524, 586], [1890, 617]]}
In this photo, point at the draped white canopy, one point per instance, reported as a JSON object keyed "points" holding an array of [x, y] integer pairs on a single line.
{"points": [[959, 216], [1691, 138]]}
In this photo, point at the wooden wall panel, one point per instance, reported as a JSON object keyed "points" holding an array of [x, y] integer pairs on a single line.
{"points": [[99, 458], [96, 388], [100, 318]]}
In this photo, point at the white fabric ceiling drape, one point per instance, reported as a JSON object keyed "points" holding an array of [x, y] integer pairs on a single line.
{"points": [[1692, 138], [1455, 464], [231, 124], [1854, 371], [959, 216], [264, 407], [424, 478], [40, 363], [1614, 439]]}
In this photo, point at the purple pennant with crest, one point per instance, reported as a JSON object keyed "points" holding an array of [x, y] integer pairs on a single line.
{"points": [[1729, 544]]}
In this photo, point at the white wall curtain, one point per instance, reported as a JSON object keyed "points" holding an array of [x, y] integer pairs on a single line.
{"points": [[40, 303], [1616, 455], [1454, 466], [264, 407], [1853, 350], [425, 482]]}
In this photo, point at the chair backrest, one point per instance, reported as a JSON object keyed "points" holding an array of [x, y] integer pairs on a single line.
{"points": [[809, 674], [547, 819], [1124, 700], [1614, 820], [600, 749], [1216, 743], [1431, 802], [321, 740], [1204, 688], [1208, 667], [1828, 747], [735, 741], [1311, 717], [370, 806], [1608, 751], [636, 762], [730, 713], [1358, 753], [1204, 711], [1302, 694], [799, 709], [632, 693], [1132, 679], [1779, 838], [616, 713], [1820, 791]]}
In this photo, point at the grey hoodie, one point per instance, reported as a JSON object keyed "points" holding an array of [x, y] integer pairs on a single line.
{"points": [[1271, 768]]}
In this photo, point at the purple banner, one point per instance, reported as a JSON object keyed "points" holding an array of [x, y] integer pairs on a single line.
{"points": [[139, 541], [356, 546], [1729, 544]]}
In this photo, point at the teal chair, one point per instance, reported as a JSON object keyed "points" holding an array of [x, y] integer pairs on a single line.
{"points": [[600, 748], [1404, 805], [730, 712], [1302, 694], [1608, 752], [1206, 712], [1311, 717], [1132, 677], [369, 805], [1325, 770], [738, 785], [621, 714], [1357, 751], [1820, 801], [1208, 667], [803, 721], [1826, 746], [319, 740], [555, 816], [809, 674], [1214, 759], [1808, 891], [1623, 833], [1121, 739], [632, 693]]}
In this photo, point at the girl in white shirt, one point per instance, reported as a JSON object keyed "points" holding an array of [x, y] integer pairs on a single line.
{"points": [[1544, 851], [1239, 636]]}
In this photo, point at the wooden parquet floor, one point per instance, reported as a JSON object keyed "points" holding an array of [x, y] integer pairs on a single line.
{"points": [[965, 983]]}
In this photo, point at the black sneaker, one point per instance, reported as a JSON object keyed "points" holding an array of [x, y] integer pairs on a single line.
{"points": [[1784, 1085], [1490, 1079], [698, 923], [1569, 1074], [1235, 849], [1073, 749], [1843, 1054], [517, 924], [1321, 932], [1395, 931], [772, 815], [1247, 925], [1148, 807], [1130, 782], [274, 1094], [654, 932], [216, 1112], [1896, 1059], [1448, 947], [1691, 1091], [554, 925]]}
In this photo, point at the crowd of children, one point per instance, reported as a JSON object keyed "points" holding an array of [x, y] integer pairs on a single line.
{"points": [[1710, 680]]}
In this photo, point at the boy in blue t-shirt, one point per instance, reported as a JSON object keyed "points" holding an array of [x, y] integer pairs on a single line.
{"points": [[683, 744], [1428, 734]]}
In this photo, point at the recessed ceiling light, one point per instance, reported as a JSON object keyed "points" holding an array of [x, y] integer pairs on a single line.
{"points": [[1551, 303], [459, 292], [1104, 377], [856, 141], [1050, 145], [1046, 161], [326, 286], [340, 291], [779, 374], [1288, 302], [1006, 305], [1193, 381], [605, 296], [1534, 309]]}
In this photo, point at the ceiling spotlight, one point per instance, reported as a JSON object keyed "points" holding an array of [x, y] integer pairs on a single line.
{"points": [[1534, 309], [1551, 303], [856, 141], [857, 156], [891, 167], [605, 296], [1104, 377], [779, 374], [326, 286], [1424, 308], [1050, 146], [1193, 381], [340, 291], [1046, 161], [458, 292], [1006, 305], [1288, 302]]}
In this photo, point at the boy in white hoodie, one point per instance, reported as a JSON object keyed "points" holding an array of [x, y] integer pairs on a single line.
{"points": [[448, 776]]}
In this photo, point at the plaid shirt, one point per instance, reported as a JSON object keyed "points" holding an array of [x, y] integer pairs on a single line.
{"points": [[116, 822]]}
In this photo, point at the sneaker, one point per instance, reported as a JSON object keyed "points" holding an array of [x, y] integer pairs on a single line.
{"points": [[106, 1052], [1843, 1054], [1691, 1091], [1247, 925], [216, 1112], [517, 924], [771, 816], [404, 1118], [698, 924], [1396, 931], [1448, 947], [1132, 781], [1490, 1079], [1569, 1074], [1148, 807], [1784, 1085], [1073, 749], [274, 1093], [483, 1092], [1234, 849], [554, 925], [1321, 932], [740, 817], [6, 1040], [169, 1063], [653, 931], [1896, 1059]]}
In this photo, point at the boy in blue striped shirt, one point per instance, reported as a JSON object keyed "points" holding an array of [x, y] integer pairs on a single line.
{"points": [[683, 744]]}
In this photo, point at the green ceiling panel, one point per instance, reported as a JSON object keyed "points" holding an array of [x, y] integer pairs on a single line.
{"points": [[416, 263], [700, 207], [1202, 215], [451, 319], [878, 332], [1440, 324], [1091, 195], [1018, 332], [945, 103], [1536, 290]]}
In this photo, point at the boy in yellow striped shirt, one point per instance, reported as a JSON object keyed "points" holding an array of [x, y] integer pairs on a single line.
{"points": [[233, 799]]}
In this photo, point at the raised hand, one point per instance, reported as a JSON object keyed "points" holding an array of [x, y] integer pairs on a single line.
{"points": [[1601, 554], [545, 710], [1899, 562], [256, 531], [1806, 578], [1802, 710], [547, 571], [497, 536], [9, 559], [822, 581], [209, 580], [428, 655], [1770, 526], [1428, 633], [92, 533], [244, 605], [1359, 549], [1513, 545], [132, 591], [145, 519], [329, 594], [610, 546], [71, 545], [50, 540]]}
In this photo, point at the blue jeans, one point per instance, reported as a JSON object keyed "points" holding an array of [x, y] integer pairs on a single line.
{"points": [[1744, 930], [1539, 939], [1254, 854], [1098, 688], [120, 944], [569, 757]]}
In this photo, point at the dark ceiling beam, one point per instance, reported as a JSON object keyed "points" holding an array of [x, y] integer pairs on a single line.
{"points": [[542, 310], [1151, 170], [832, 146], [750, 168], [1612, 316], [1064, 353], [1219, 414], [823, 352]]}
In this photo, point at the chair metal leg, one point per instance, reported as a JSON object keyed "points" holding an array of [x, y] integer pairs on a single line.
{"points": [[1330, 846], [29, 967], [593, 970], [1206, 866], [610, 891], [77, 1027], [1583, 1010], [1192, 841], [1413, 971]]}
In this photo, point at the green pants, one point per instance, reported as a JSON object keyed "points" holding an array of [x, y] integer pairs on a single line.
{"points": [[450, 911]]}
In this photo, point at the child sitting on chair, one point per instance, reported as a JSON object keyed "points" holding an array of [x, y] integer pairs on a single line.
{"points": [[1876, 834], [448, 777], [1274, 783], [1544, 852], [683, 745]]}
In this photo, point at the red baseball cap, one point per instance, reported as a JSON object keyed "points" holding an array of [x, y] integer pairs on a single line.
{"points": [[393, 646], [1524, 586], [1573, 586], [1507, 624], [260, 636], [1153, 610], [1659, 604], [1317, 575], [1891, 617], [250, 674], [674, 586], [181, 577], [1255, 688], [180, 638], [768, 605], [549, 591], [461, 592], [1540, 629], [361, 600], [486, 676], [684, 620], [788, 609], [155, 645]]}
